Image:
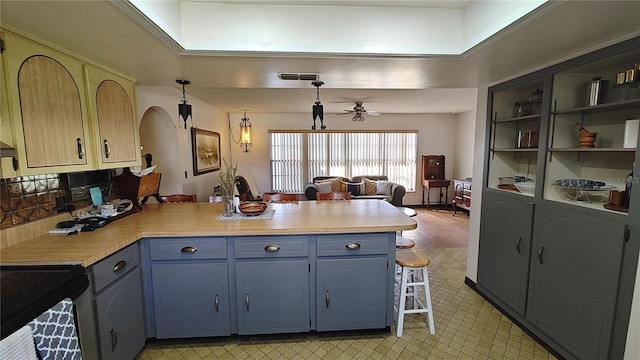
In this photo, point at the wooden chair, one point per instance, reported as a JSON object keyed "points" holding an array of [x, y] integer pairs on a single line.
{"points": [[178, 198], [334, 196], [279, 197]]}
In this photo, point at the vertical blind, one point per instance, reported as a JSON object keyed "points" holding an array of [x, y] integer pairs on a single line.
{"points": [[298, 157]]}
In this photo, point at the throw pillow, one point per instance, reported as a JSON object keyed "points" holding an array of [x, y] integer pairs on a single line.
{"points": [[336, 183], [383, 187], [370, 187], [324, 187], [355, 188]]}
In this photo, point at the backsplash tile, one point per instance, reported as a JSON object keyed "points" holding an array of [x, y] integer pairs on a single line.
{"points": [[28, 198]]}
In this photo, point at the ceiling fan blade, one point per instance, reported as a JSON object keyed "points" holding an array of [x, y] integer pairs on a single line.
{"points": [[372, 112]]}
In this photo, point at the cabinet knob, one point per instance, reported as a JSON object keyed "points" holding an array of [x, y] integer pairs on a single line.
{"points": [[114, 340], [271, 248], [327, 299], [119, 266], [189, 249], [107, 148], [246, 301], [80, 148], [353, 246], [217, 303], [540, 253], [518, 244]]}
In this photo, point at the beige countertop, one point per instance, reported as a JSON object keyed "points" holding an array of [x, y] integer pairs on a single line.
{"points": [[199, 219]]}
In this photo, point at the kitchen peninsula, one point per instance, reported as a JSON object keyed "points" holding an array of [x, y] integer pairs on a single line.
{"points": [[313, 266]]}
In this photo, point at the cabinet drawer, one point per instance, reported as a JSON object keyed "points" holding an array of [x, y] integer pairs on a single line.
{"points": [[272, 246], [353, 244], [115, 266], [191, 248]]}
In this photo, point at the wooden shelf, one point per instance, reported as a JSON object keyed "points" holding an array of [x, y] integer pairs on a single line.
{"points": [[520, 118], [617, 149], [620, 105], [515, 150]]}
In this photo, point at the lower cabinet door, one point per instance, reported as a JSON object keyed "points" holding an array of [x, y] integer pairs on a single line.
{"points": [[351, 293], [272, 296], [575, 270], [505, 245], [191, 300], [121, 318]]}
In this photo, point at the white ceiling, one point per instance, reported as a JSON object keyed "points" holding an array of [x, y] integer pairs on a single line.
{"points": [[104, 33]]}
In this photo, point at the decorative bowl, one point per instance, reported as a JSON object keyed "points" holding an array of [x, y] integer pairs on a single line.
{"points": [[527, 188], [252, 208]]}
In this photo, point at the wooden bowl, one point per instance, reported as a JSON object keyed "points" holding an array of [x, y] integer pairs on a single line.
{"points": [[252, 208]]}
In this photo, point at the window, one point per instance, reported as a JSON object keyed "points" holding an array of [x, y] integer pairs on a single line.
{"points": [[299, 156]]}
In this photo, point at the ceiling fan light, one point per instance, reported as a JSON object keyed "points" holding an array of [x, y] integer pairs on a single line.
{"points": [[358, 117]]}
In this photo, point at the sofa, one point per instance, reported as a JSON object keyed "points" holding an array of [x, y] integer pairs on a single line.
{"points": [[358, 186]]}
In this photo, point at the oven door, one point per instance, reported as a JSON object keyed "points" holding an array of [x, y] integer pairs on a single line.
{"points": [[28, 291]]}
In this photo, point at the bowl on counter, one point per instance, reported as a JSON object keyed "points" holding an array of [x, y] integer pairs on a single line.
{"points": [[527, 188], [252, 208]]}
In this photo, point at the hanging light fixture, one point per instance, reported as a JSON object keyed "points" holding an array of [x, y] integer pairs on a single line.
{"points": [[184, 109], [245, 134], [318, 111], [358, 117]]}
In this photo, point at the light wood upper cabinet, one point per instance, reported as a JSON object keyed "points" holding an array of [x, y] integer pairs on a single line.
{"points": [[6, 132], [46, 104], [66, 114], [112, 108]]}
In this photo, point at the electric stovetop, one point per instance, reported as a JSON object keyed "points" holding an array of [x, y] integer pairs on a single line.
{"points": [[28, 291]]}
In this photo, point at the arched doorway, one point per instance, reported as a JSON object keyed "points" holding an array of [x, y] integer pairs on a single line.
{"points": [[158, 138]]}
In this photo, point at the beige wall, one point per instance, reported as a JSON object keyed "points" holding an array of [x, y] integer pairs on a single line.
{"points": [[164, 133], [437, 135]]}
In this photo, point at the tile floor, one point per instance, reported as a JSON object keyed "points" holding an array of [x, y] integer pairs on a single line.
{"points": [[467, 327]]}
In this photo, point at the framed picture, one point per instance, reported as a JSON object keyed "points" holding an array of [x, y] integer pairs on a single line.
{"points": [[205, 146]]}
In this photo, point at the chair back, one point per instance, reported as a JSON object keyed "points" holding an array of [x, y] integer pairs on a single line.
{"points": [[178, 198], [334, 196], [279, 197], [244, 190]]}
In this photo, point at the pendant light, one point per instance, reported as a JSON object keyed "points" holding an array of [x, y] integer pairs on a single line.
{"points": [[245, 134], [184, 109], [318, 112]]}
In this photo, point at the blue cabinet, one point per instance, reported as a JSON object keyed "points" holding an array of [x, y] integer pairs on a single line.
{"points": [[351, 293], [121, 318], [190, 287], [352, 281], [272, 284], [503, 261], [115, 301], [272, 296], [575, 270], [191, 299]]}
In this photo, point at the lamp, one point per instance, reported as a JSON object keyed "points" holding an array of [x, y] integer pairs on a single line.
{"points": [[245, 134], [317, 106], [184, 109]]}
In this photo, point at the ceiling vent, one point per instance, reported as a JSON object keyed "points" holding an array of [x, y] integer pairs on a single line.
{"points": [[295, 76]]}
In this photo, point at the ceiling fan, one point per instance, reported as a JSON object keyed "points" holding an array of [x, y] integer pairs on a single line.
{"points": [[359, 111]]}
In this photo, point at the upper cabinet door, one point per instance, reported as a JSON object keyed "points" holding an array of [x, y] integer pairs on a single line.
{"points": [[46, 105], [112, 104], [46, 95]]}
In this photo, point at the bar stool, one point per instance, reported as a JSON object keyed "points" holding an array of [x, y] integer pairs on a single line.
{"points": [[410, 263]]}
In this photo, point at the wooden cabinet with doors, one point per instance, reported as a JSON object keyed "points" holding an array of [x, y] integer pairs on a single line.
{"points": [[66, 114], [46, 99], [112, 108]]}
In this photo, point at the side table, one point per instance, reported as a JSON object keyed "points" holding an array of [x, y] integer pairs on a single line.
{"points": [[439, 184]]}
